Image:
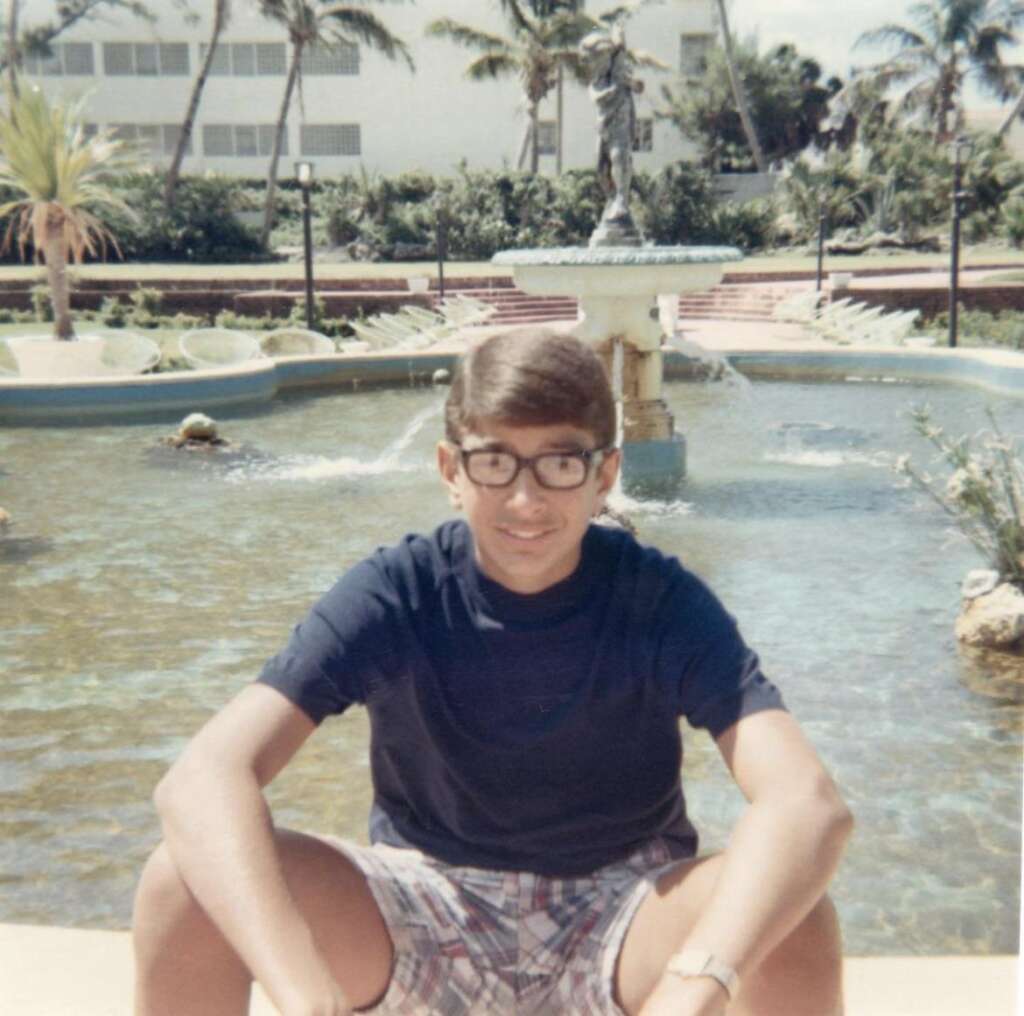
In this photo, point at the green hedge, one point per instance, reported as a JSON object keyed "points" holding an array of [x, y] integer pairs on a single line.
{"points": [[395, 217]]}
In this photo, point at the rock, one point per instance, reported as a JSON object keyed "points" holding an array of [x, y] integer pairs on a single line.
{"points": [[412, 252], [198, 427], [978, 582], [5, 519], [994, 620], [441, 376]]}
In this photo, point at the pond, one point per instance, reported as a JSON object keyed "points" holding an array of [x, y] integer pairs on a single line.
{"points": [[141, 587]]}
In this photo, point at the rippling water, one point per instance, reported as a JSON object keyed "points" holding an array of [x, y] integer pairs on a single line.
{"points": [[141, 587]]}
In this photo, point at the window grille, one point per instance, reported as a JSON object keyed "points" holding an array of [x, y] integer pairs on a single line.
{"points": [[243, 140], [693, 54], [146, 60], [117, 58], [174, 58], [221, 64], [78, 58], [243, 59], [330, 139], [341, 58], [218, 139], [271, 58], [547, 137], [65, 58]]}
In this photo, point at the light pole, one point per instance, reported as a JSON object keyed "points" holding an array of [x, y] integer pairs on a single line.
{"points": [[962, 148], [821, 245], [304, 174], [441, 222]]}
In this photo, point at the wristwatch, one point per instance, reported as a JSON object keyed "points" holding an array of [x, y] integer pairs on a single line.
{"points": [[700, 963]]}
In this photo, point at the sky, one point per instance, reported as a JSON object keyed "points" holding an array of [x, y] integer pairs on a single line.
{"points": [[825, 30]]}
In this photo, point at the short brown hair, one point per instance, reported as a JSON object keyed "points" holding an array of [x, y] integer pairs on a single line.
{"points": [[531, 376]]}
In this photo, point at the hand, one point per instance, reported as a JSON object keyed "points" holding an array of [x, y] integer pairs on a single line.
{"points": [[686, 996]]}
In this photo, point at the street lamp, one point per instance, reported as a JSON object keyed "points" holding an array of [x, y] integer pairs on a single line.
{"points": [[442, 219], [304, 174], [961, 148], [821, 245]]}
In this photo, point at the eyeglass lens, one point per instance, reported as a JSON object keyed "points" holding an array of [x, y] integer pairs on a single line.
{"points": [[552, 469]]}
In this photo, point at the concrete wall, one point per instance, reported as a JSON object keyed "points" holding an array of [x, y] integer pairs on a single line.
{"points": [[431, 119]]}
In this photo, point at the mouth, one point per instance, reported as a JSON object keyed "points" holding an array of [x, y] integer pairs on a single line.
{"points": [[521, 535]]}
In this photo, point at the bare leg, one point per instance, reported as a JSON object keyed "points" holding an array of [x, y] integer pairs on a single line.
{"points": [[801, 977], [184, 964]]}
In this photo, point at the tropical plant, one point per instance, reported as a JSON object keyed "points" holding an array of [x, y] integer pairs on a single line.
{"points": [[948, 42], [785, 97], [221, 16], [62, 178], [830, 188], [312, 23], [984, 493], [534, 50]]}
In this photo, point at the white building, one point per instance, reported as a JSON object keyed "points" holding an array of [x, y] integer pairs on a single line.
{"points": [[357, 109]]}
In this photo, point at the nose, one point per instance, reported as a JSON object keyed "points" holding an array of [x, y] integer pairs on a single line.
{"points": [[525, 492]]}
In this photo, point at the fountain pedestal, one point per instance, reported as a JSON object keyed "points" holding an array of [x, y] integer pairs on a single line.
{"points": [[617, 290]]}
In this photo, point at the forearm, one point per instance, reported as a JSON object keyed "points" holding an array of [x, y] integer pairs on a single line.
{"points": [[219, 831], [780, 859]]}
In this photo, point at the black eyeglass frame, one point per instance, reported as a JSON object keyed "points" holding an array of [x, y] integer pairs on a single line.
{"points": [[590, 456]]}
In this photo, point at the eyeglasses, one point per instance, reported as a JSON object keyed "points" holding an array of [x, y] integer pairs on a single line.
{"points": [[490, 467]]}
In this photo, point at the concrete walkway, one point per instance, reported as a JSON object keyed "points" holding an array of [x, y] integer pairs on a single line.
{"points": [[62, 972]]}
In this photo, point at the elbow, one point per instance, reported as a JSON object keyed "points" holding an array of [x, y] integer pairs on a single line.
{"points": [[832, 814]]}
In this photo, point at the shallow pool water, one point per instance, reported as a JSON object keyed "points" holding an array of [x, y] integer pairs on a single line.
{"points": [[141, 587]]}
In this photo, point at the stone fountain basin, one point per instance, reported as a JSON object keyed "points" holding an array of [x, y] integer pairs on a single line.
{"points": [[617, 272]]}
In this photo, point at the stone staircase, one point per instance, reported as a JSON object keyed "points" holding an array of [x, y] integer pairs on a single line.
{"points": [[728, 302]]}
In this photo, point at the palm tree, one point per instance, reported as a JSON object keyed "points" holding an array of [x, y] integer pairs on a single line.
{"points": [[738, 92], [310, 23], [221, 15], [537, 47], [61, 174], [949, 41]]}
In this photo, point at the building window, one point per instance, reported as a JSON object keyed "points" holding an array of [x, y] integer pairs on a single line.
{"points": [[330, 139], [147, 59], [65, 58], [546, 137], [342, 58], [643, 134], [241, 139], [693, 54], [158, 139], [246, 59]]}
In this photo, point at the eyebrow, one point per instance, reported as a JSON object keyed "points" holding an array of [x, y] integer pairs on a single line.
{"points": [[554, 448]]}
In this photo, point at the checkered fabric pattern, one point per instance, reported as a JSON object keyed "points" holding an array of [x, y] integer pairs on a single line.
{"points": [[475, 941]]}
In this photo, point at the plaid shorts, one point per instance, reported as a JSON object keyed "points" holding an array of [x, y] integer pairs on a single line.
{"points": [[476, 941]]}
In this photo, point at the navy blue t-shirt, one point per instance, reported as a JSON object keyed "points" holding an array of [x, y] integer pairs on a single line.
{"points": [[524, 732]]}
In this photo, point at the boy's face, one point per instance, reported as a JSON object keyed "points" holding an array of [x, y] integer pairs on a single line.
{"points": [[527, 537]]}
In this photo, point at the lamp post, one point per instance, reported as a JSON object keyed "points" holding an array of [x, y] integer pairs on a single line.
{"points": [[961, 147], [441, 215], [821, 245], [304, 174]]}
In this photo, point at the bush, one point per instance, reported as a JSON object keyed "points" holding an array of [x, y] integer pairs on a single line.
{"points": [[1012, 220], [42, 305], [982, 328], [749, 226], [112, 312]]}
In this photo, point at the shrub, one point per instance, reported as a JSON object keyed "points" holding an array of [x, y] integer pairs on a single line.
{"points": [[112, 312], [983, 328], [749, 226], [1012, 220], [984, 493]]}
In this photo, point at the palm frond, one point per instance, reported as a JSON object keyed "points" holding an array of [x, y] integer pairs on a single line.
{"points": [[492, 65], [466, 35], [348, 22]]}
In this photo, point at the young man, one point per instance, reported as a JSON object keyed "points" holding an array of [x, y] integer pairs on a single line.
{"points": [[524, 672]]}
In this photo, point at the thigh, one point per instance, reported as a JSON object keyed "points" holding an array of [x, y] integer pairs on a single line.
{"points": [[346, 922], [662, 922]]}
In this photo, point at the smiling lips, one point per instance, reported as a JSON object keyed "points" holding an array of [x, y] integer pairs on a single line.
{"points": [[528, 535]]}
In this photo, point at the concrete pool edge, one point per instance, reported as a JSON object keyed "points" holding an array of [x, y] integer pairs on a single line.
{"points": [[24, 400], [96, 969]]}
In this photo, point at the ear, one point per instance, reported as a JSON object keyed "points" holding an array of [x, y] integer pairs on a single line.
{"points": [[607, 473], [448, 467]]}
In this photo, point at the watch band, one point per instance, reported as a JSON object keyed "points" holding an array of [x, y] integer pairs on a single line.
{"points": [[701, 963]]}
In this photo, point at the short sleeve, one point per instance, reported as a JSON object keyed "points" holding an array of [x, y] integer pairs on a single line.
{"points": [[322, 667], [716, 677]]}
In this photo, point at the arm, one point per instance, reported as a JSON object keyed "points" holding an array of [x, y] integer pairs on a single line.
{"points": [[218, 829], [781, 856]]}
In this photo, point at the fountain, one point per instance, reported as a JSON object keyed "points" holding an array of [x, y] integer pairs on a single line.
{"points": [[617, 279]]}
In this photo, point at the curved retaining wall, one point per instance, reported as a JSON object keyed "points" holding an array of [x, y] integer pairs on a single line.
{"points": [[258, 381]]}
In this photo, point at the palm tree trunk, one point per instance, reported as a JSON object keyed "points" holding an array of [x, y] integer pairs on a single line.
{"points": [[171, 184], [275, 155], [60, 287], [524, 145], [739, 95], [13, 52], [1016, 111], [534, 132], [559, 110]]}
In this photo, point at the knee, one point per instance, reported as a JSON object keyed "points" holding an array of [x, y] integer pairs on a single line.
{"points": [[815, 941], [161, 898]]}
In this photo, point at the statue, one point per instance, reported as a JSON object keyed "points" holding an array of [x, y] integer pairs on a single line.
{"points": [[612, 88]]}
